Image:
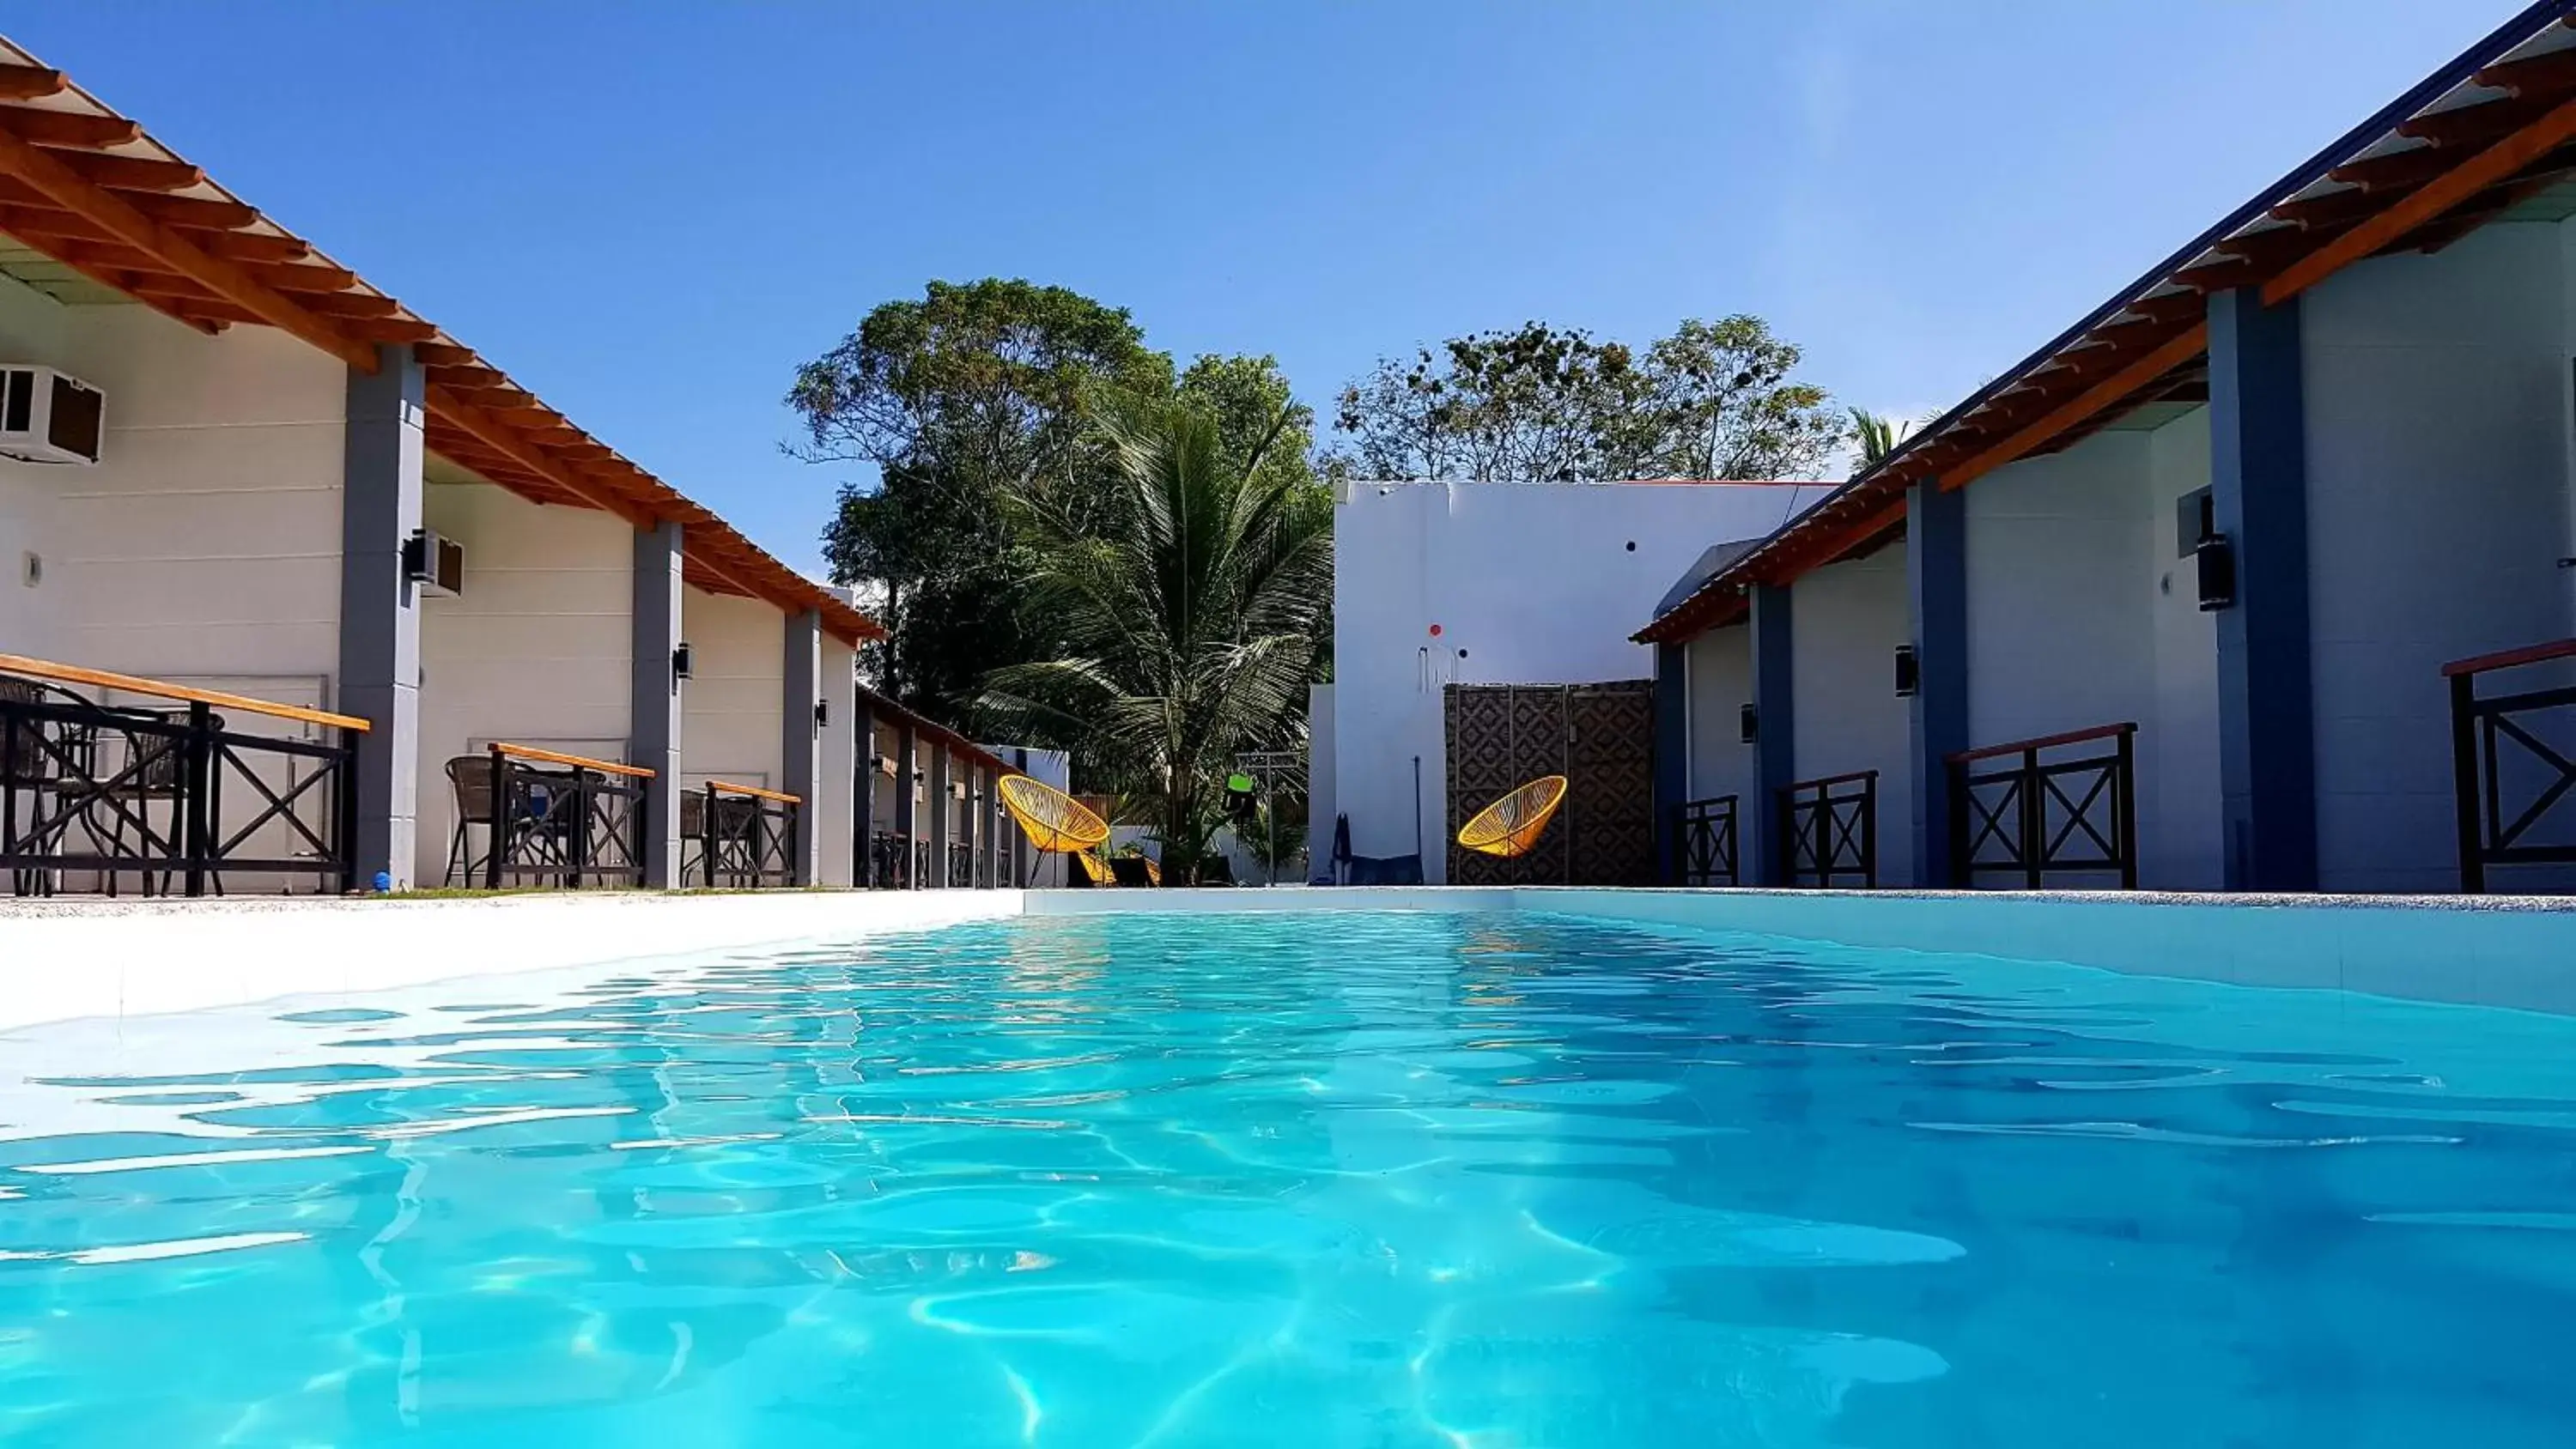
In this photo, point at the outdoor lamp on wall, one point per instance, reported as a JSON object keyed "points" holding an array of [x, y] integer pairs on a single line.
{"points": [[2216, 557], [680, 661], [822, 713], [1749, 722], [1909, 674]]}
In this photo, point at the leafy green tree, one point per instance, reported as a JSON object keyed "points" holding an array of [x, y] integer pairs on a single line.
{"points": [[1538, 404], [1185, 597], [952, 398]]}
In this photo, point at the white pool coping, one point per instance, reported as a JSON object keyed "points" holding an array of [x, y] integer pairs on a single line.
{"points": [[70, 960]]}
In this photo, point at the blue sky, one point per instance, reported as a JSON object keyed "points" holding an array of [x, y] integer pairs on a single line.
{"points": [[650, 213]]}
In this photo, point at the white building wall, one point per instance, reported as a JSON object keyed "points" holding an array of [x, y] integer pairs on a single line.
{"points": [[1845, 621], [1718, 669], [204, 547], [534, 650], [2437, 410], [1536, 582], [2079, 615], [2058, 637], [2181, 835], [32, 329], [730, 706], [1321, 763]]}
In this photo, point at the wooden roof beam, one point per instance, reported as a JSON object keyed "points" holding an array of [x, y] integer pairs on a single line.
{"points": [[2436, 196], [246, 246], [68, 128], [385, 329], [73, 192], [31, 82], [2179, 349], [2551, 74], [2392, 171], [286, 278], [203, 212], [448, 354], [505, 440], [129, 173], [349, 304], [2349, 204], [2477, 125]]}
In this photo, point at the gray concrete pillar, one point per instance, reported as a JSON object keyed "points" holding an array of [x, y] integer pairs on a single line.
{"points": [[380, 611], [800, 740], [943, 815], [1023, 867], [1758, 820], [1672, 758], [2258, 496], [979, 822], [996, 825], [653, 729], [907, 825], [1936, 574], [863, 806]]}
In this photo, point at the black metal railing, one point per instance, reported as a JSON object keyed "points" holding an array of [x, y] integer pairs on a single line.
{"points": [[92, 794], [747, 837], [2028, 811], [1829, 831], [562, 820], [2537, 771], [1707, 841], [961, 864]]}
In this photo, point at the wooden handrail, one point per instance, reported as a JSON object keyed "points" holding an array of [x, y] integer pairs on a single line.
{"points": [[1829, 781], [133, 684], [727, 787], [2015, 747], [2507, 659], [580, 762]]}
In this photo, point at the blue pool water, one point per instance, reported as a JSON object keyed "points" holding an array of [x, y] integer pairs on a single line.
{"points": [[1297, 1180]]}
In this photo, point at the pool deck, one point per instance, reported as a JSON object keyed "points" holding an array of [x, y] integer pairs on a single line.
{"points": [[70, 959]]}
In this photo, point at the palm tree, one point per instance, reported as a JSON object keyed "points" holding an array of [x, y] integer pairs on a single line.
{"points": [[1186, 601], [1877, 435]]}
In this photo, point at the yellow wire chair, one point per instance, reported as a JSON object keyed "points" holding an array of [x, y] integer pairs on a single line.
{"points": [[1511, 825], [1054, 820]]}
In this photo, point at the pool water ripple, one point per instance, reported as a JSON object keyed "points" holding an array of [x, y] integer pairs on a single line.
{"points": [[1358, 1179]]}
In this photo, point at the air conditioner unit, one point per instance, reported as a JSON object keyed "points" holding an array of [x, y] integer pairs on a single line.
{"points": [[436, 564], [48, 417]]}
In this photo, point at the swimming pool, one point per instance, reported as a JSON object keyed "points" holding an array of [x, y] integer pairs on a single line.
{"points": [[1298, 1178]]}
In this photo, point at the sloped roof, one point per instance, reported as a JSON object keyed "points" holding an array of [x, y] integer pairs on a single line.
{"points": [[2489, 133], [116, 213]]}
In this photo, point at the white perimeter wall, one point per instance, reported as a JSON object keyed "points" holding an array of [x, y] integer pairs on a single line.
{"points": [[534, 650], [1845, 621], [1534, 580], [1322, 763], [205, 545], [730, 706], [2077, 617], [2437, 406]]}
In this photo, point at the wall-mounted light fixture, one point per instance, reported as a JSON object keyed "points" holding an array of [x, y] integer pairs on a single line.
{"points": [[680, 662], [1909, 673], [822, 713], [1749, 724], [2216, 557]]}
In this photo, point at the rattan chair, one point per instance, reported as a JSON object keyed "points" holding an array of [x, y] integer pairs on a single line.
{"points": [[1511, 825], [542, 822]]}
